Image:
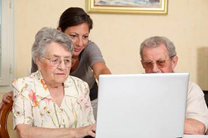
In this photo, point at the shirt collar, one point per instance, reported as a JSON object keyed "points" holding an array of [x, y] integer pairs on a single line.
{"points": [[70, 87]]}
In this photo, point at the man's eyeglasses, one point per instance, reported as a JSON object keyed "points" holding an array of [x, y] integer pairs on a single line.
{"points": [[56, 61], [159, 63]]}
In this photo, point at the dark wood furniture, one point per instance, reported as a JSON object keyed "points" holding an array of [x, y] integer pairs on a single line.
{"points": [[206, 96], [6, 109]]}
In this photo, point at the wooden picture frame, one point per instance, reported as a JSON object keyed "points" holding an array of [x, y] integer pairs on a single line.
{"points": [[128, 6]]}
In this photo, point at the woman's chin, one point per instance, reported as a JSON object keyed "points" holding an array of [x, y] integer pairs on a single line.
{"points": [[76, 54], [60, 80]]}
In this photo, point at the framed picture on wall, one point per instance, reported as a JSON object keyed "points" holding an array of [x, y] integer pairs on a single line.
{"points": [[128, 6]]}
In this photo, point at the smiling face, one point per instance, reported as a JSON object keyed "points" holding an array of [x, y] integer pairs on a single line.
{"points": [[80, 36], [156, 60], [54, 73]]}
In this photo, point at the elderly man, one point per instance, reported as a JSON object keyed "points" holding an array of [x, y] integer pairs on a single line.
{"points": [[158, 55]]}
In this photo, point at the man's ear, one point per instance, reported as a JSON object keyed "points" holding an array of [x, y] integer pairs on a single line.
{"points": [[141, 63], [37, 61], [174, 62]]}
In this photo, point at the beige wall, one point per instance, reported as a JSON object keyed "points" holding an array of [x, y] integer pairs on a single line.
{"points": [[119, 35]]}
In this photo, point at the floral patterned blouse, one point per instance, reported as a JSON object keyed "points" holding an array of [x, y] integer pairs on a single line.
{"points": [[34, 106]]}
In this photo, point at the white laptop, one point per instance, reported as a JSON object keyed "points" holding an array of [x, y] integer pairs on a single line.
{"points": [[142, 105]]}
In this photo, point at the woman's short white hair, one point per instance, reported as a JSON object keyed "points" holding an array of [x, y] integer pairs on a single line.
{"points": [[46, 36]]}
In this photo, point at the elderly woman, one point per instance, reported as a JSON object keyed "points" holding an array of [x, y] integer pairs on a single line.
{"points": [[87, 57], [51, 103]]}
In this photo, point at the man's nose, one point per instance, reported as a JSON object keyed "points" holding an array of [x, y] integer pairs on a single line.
{"points": [[155, 68]]}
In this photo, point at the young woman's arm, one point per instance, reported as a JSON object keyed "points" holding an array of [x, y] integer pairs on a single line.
{"points": [[100, 68]]}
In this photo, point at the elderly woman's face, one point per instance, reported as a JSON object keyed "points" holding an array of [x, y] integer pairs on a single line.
{"points": [[56, 64]]}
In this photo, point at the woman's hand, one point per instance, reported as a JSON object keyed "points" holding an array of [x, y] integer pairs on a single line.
{"points": [[85, 131], [6, 97]]}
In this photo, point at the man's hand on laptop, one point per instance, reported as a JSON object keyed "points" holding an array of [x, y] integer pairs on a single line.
{"points": [[194, 127]]}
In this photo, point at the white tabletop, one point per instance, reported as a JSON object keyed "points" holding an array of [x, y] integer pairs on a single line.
{"points": [[195, 136]]}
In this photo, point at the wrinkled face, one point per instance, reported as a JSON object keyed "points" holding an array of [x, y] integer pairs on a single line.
{"points": [[56, 64], [156, 60], [80, 36]]}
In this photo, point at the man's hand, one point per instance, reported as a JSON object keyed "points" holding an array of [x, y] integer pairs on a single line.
{"points": [[194, 127]]}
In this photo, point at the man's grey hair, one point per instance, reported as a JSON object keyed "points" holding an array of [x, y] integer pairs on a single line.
{"points": [[156, 41], [46, 36]]}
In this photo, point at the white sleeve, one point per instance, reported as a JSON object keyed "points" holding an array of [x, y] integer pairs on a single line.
{"points": [[196, 105], [22, 108]]}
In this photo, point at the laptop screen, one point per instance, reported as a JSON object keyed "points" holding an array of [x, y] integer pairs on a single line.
{"points": [[142, 105]]}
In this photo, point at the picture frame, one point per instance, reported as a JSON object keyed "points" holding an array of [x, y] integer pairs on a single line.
{"points": [[128, 6]]}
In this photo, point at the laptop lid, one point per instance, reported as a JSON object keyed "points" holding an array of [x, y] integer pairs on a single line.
{"points": [[142, 105]]}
